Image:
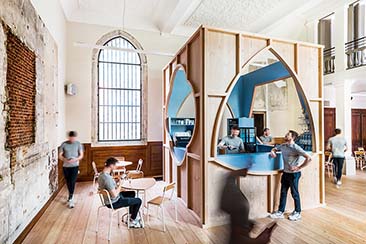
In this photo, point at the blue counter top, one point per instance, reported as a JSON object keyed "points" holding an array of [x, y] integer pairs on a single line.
{"points": [[255, 162]]}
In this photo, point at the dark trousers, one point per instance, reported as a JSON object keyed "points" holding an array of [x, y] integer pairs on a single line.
{"points": [[338, 167], [127, 198], [290, 180], [70, 175]]}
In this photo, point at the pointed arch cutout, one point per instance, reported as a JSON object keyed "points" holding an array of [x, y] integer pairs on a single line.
{"points": [[292, 74]]}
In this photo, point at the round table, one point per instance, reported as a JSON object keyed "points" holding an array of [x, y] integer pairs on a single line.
{"points": [[141, 184]]}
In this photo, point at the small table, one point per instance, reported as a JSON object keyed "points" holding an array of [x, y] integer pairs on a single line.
{"points": [[121, 166], [141, 184]]}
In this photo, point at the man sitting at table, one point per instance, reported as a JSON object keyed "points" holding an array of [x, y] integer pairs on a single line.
{"points": [[119, 199], [232, 143]]}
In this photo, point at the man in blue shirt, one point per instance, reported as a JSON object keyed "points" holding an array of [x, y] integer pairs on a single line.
{"points": [[293, 163]]}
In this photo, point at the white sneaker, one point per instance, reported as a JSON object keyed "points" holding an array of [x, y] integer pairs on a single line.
{"points": [[71, 203], [276, 215], [339, 183], [135, 223], [294, 216], [335, 180]]}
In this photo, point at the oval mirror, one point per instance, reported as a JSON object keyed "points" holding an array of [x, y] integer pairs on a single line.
{"points": [[180, 114]]}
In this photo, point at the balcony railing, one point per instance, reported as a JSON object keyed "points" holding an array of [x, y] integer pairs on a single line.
{"points": [[356, 53], [329, 57]]}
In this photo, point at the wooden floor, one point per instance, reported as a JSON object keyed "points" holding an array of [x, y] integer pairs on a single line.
{"points": [[342, 221]]}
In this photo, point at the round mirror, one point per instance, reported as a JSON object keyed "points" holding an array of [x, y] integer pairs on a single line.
{"points": [[180, 114]]}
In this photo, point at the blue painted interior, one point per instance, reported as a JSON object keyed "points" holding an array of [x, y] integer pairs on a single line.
{"points": [[241, 97], [260, 162], [179, 153], [180, 90]]}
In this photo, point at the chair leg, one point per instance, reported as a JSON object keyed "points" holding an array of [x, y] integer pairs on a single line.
{"points": [[142, 219], [128, 218], [148, 217], [96, 230], [162, 215], [110, 225], [119, 220], [175, 206]]}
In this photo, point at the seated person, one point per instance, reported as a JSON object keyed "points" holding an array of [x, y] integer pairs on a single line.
{"points": [[233, 143], [119, 199], [266, 138]]}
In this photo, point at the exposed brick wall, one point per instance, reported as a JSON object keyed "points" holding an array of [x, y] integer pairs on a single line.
{"points": [[21, 91]]}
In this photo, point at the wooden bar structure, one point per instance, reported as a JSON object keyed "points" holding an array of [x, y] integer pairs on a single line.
{"points": [[213, 60]]}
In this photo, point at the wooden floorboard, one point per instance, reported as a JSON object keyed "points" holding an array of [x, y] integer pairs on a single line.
{"points": [[343, 220]]}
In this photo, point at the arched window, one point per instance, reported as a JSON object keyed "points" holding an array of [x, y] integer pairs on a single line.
{"points": [[119, 93]]}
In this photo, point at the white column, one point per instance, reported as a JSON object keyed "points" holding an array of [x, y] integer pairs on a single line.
{"points": [[340, 37], [344, 121]]}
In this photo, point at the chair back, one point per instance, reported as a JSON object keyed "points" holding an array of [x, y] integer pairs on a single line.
{"points": [[103, 194], [139, 165], [167, 188], [361, 149], [95, 168]]}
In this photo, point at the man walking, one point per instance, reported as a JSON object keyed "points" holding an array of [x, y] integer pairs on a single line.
{"points": [[338, 146], [71, 152], [291, 154]]}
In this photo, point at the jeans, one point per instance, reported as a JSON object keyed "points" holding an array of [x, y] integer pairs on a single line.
{"points": [[290, 180], [127, 198], [70, 175], [338, 167]]}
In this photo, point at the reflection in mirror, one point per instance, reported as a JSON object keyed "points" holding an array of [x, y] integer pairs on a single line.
{"points": [[180, 114], [264, 104]]}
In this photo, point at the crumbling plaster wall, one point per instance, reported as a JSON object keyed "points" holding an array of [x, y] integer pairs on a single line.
{"points": [[25, 191]]}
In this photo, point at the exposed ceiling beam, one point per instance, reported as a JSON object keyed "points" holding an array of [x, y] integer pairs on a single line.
{"points": [[170, 13]]}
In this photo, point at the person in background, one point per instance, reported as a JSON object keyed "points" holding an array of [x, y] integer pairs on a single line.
{"points": [[338, 146], [71, 152], [233, 143], [119, 199], [293, 164], [266, 138]]}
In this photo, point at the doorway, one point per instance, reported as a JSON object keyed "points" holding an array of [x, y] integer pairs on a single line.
{"points": [[259, 122]]}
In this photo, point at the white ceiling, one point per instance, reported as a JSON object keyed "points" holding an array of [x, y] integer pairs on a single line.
{"points": [[181, 16]]}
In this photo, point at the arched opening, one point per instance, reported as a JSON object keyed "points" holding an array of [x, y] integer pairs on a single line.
{"points": [[266, 94]]}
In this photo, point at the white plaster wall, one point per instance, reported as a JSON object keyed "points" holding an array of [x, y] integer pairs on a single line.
{"points": [[53, 16], [24, 193], [79, 72]]}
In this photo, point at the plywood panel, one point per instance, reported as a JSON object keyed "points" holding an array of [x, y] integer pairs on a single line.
{"points": [[220, 60], [286, 51], [195, 194], [255, 189], [250, 46], [308, 71], [212, 107], [195, 67]]}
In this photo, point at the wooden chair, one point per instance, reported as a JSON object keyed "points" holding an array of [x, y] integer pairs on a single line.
{"points": [[160, 200], [96, 174], [138, 170], [329, 164], [102, 194], [360, 159]]}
